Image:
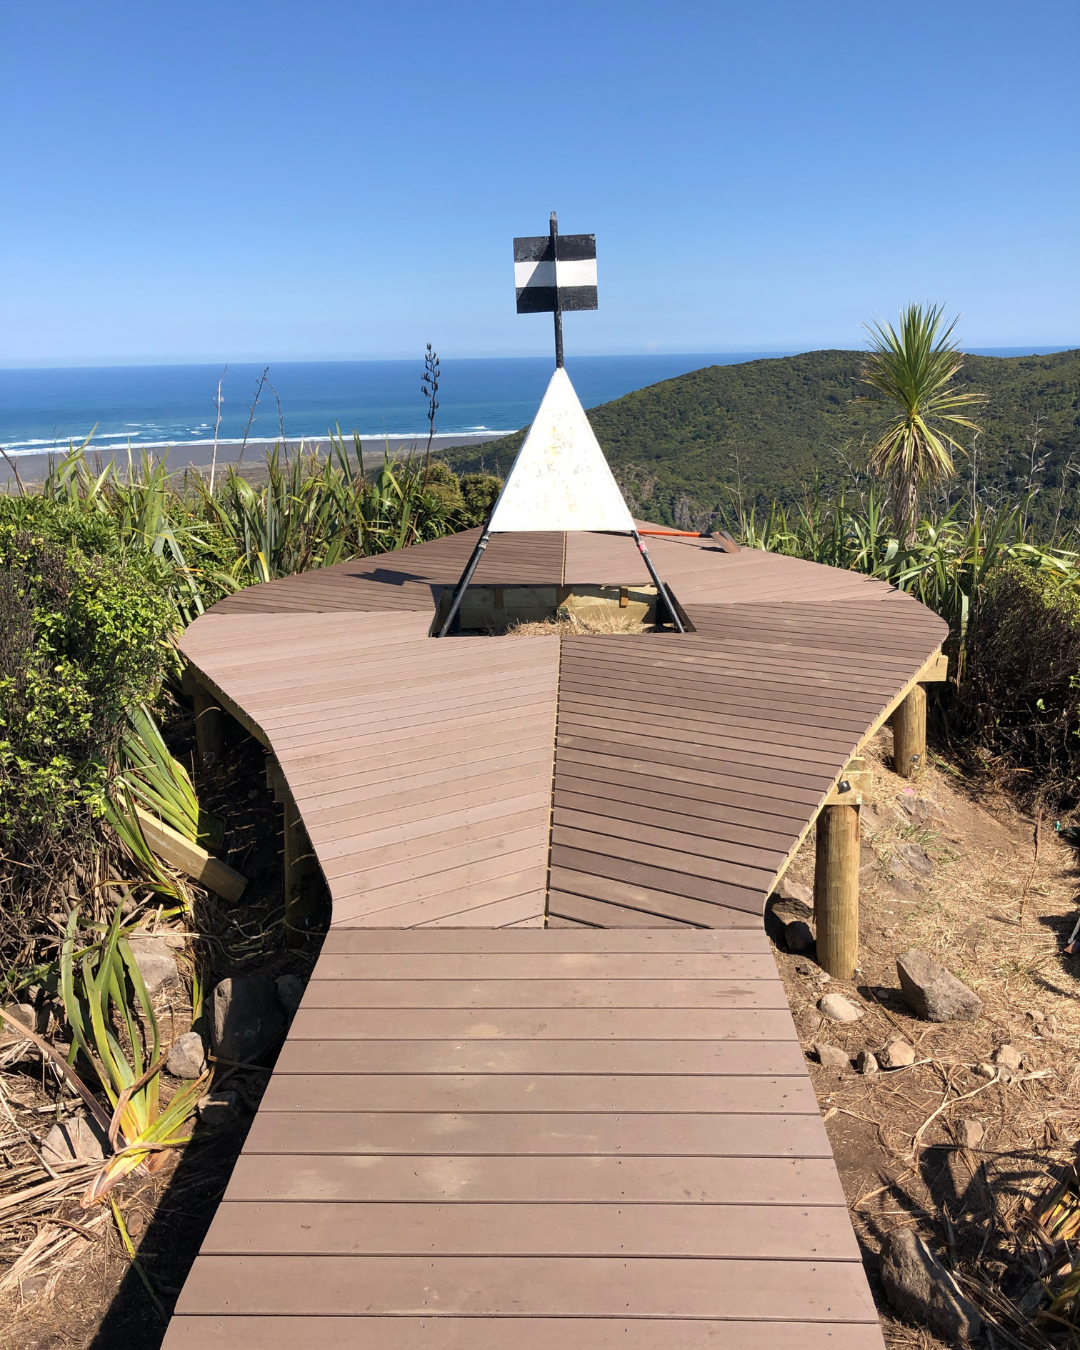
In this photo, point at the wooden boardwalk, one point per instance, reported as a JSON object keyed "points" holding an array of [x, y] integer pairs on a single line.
{"points": [[608, 1137], [601, 1128]]}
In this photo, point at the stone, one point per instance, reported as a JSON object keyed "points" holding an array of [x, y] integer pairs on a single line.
{"points": [[1037, 1018], [831, 1056], [187, 1056], [898, 1054], [789, 889], [1007, 1057], [156, 964], [933, 992], [900, 888], [916, 857], [791, 911], [815, 972], [838, 1008], [290, 990], [866, 1062], [968, 1133], [75, 1140], [22, 1012], [31, 1286], [798, 937], [917, 1285], [984, 1070], [246, 1020], [219, 1109], [1050, 1023], [164, 937]]}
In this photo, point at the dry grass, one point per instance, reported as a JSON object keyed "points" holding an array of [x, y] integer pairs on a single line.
{"points": [[574, 626], [998, 919]]}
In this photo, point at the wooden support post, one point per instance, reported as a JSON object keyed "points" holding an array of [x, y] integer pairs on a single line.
{"points": [[209, 723], [836, 890], [909, 733], [304, 887]]}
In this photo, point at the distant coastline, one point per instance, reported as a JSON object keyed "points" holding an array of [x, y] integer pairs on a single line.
{"points": [[33, 466]]}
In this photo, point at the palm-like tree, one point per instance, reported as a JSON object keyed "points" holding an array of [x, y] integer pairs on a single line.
{"points": [[913, 370]]}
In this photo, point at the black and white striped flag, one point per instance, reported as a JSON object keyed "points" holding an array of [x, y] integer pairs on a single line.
{"points": [[555, 273]]}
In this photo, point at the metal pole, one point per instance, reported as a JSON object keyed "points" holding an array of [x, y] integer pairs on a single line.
{"points": [[661, 589], [558, 311], [463, 584]]}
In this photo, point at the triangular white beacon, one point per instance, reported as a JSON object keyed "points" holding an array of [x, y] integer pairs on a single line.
{"points": [[560, 479]]}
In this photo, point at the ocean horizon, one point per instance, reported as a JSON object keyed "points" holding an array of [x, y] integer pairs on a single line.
{"points": [[45, 408]]}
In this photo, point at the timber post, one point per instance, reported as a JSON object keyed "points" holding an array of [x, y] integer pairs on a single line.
{"points": [[836, 890], [909, 733], [305, 891], [209, 717]]}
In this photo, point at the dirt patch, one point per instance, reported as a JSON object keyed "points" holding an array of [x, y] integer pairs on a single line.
{"points": [[998, 918]]}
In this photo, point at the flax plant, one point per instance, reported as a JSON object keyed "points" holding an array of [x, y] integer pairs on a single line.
{"points": [[113, 1024], [913, 370]]}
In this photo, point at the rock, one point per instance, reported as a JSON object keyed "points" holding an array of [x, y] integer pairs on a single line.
{"points": [[187, 1056], [915, 857], [866, 1062], [22, 1012], [164, 937], [900, 889], [815, 972], [1007, 1057], [897, 1055], [290, 990], [968, 1133], [932, 992], [31, 1286], [791, 911], [219, 1109], [246, 1020], [156, 964], [831, 1056], [838, 1008], [869, 820], [984, 1070], [74, 1140], [798, 937], [1050, 1023], [789, 889], [919, 1286], [1037, 1018]]}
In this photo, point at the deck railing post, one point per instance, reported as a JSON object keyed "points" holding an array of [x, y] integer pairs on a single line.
{"points": [[836, 890], [909, 733]]}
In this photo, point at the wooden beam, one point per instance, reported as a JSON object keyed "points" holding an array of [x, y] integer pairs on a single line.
{"points": [[925, 672], [192, 860], [853, 787]]}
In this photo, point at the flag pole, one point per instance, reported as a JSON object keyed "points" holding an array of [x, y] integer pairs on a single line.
{"points": [[558, 311]]}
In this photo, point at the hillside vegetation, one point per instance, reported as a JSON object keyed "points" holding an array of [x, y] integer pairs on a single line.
{"points": [[689, 446]]}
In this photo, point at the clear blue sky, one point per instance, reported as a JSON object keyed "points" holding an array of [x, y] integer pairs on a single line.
{"points": [[334, 178]]}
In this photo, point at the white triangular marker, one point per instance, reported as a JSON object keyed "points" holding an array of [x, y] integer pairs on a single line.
{"points": [[560, 479]]}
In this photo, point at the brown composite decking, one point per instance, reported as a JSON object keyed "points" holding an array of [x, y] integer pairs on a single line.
{"points": [[608, 1137], [603, 1128]]}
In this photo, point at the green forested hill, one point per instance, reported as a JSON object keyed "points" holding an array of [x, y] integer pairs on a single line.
{"points": [[680, 448]]}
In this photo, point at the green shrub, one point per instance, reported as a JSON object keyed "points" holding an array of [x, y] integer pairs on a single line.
{"points": [[479, 491], [1021, 678], [82, 637]]}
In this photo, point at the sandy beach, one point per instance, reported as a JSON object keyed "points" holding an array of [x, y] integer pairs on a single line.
{"points": [[197, 455]]}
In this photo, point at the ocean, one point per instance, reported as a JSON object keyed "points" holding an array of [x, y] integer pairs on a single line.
{"points": [[44, 409]]}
